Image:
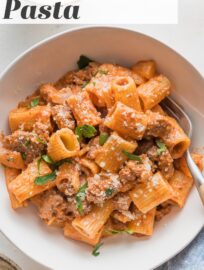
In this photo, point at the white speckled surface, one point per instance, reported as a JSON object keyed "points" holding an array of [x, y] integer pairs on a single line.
{"points": [[187, 38]]}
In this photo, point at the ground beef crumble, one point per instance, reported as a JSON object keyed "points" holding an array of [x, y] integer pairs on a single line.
{"points": [[164, 161], [29, 144], [102, 186]]}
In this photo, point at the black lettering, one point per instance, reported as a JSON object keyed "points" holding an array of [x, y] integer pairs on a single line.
{"points": [[71, 12], [25, 14], [56, 12], [17, 5], [44, 12]]}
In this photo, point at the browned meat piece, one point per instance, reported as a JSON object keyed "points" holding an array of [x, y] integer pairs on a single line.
{"points": [[163, 209], [133, 170], [63, 117], [157, 126], [94, 147], [102, 187], [68, 179], [79, 77], [29, 144], [43, 131], [143, 146], [52, 207], [121, 201], [51, 95], [164, 161]]}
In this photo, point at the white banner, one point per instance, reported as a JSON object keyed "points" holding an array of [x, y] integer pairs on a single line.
{"points": [[88, 11]]}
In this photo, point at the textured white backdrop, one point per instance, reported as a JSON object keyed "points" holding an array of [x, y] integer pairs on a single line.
{"points": [[187, 38]]}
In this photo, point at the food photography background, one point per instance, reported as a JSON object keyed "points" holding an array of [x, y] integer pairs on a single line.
{"points": [[187, 38]]}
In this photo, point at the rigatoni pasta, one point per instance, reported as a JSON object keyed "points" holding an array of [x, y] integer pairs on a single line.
{"points": [[126, 121], [96, 153], [111, 156], [153, 91]]}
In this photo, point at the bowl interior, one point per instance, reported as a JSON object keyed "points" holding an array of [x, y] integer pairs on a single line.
{"points": [[46, 63]]}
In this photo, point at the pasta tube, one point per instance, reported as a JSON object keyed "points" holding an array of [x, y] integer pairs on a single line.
{"points": [[176, 140], [126, 92], [126, 121], [63, 144], [146, 69], [71, 232], [10, 175], [153, 91], [26, 118], [83, 109], [91, 224], [181, 185], [23, 186], [11, 159], [143, 223], [150, 194], [111, 157]]}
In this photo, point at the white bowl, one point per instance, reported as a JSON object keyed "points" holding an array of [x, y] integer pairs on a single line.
{"points": [[48, 61]]}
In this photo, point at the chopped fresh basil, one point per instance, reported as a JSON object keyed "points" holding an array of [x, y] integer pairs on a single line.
{"points": [[109, 191], [95, 251], [132, 156], [85, 131], [41, 180], [27, 143], [84, 85], [80, 196], [47, 159], [34, 103], [100, 71], [41, 141], [56, 165], [103, 138], [120, 231], [38, 164], [23, 156], [161, 147], [83, 61]]}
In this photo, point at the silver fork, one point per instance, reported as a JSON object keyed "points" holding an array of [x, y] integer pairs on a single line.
{"points": [[174, 110]]}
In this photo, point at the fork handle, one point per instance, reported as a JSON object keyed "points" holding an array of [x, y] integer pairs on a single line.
{"points": [[196, 174]]}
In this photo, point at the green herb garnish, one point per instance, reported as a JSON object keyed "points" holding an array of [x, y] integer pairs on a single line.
{"points": [[41, 141], [95, 251], [23, 156], [38, 164], [41, 180], [109, 191], [80, 196], [94, 83], [83, 61], [34, 103], [161, 147], [85, 131], [84, 85], [120, 231], [132, 156], [47, 159], [103, 138], [103, 72], [56, 165], [27, 143]]}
